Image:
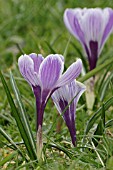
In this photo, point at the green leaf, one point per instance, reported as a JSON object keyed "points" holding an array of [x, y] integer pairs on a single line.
{"points": [[96, 115], [50, 47], [16, 115], [100, 128], [7, 137], [22, 112], [105, 85], [96, 70], [8, 158], [109, 123], [101, 79]]}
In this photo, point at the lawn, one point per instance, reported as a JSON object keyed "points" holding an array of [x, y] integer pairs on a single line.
{"points": [[37, 26]]}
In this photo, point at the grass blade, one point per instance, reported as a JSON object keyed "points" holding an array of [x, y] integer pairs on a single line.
{"points": [[22, 112], [105, 86], [96, 115], [8, 158], [96, 70], [7, 137], [100, 128], [19, 122], [109, 123]]}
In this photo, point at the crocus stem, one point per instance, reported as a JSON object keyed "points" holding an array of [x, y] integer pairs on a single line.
{"points": [[39, 143], [39, 121], [90, 95]]}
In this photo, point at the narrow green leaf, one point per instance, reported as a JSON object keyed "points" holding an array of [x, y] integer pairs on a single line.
{"points": [[50, 47], [101, 79], [19, 122], [103, 115], [7, 137], [8, 158], [109, 123], [96, 115], [96, 70], [105, 85], [22, 112], [66, 48], [100, 128]]}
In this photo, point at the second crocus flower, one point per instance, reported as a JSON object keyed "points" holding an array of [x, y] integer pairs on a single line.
{"points": [[66, 99], [91, 27]]}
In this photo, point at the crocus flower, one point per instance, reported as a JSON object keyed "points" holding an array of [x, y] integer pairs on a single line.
{"points": [[66, 99], [45, 76], [91, 27]]}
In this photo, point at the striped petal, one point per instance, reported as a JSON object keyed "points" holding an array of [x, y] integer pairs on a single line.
{"points": [[109, 25], [91, 27], [72, 22], [26, 67], [50, 71], [62, 98], [71, 73], [37, 59]]}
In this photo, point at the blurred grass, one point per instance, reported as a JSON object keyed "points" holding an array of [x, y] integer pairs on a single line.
{"points": [[37, 26]]}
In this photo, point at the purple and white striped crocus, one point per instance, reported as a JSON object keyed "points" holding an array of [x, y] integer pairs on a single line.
{"points": [[66, 99], [45, 76], [91, 27]]}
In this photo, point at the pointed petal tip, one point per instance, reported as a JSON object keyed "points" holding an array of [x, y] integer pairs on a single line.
{"points": [[81, 85], [79, 61], [71, 73], [65, 12], [33, 55], [22, 58], [56, 56]]}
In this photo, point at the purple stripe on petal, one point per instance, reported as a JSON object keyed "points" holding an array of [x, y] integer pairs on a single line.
{"points": [[109, 26], [72, 131], [37, 59], [45, 96], [71, 73], [70, 124], [50, 70], [92, 25], [39, 110], [63, 104], [71, 20], [26, 67]]}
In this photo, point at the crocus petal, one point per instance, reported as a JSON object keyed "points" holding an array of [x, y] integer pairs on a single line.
{"points": [[65, 99], [66, 93], [91, 27], [71, 73], [50, 70], [109, 25], [60, 98], [76, 89], [72, 22], [37, 59], [26, 67]]}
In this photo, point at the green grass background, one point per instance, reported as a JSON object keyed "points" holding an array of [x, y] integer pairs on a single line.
{"points": [[37, 26]]}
